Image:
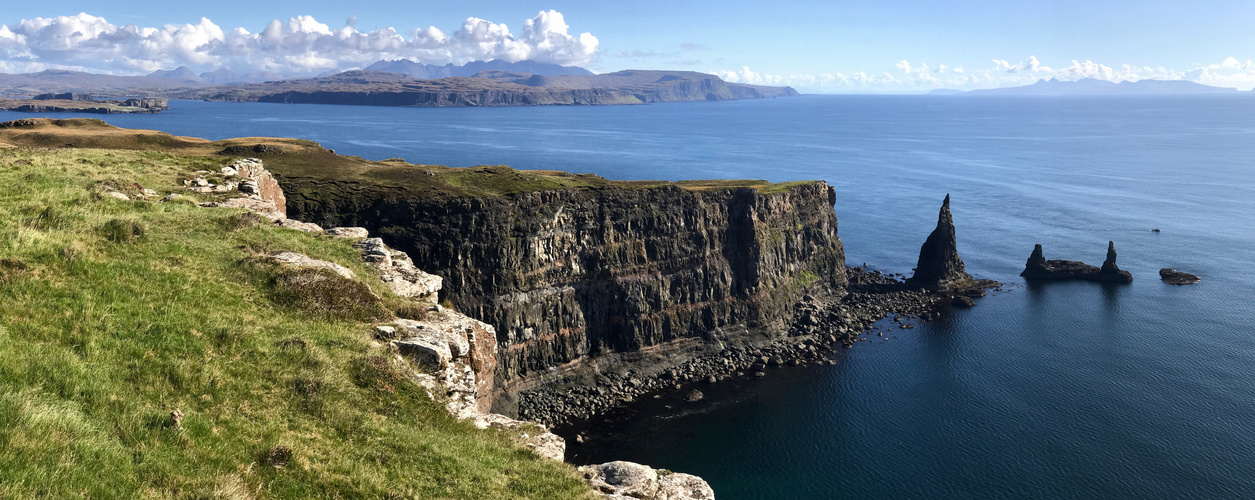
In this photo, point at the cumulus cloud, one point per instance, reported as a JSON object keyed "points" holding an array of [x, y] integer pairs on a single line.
{"points": [[1231, 72], [301, 45]]}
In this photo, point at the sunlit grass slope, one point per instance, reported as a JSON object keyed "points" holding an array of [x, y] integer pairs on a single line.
{"points": [[114, 314]]}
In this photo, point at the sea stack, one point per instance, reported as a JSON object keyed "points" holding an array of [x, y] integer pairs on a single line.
{"points": [[1110, 272], [1038, 268], [940, 267]]}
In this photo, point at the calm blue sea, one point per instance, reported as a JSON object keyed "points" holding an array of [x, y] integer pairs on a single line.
{"points": [[1070, 390]]}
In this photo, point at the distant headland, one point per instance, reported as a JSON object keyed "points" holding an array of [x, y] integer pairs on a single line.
{"points": [[403, 83]]}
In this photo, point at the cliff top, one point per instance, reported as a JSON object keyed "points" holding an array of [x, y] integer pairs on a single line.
{"points": [[148, 344], [307, 161]]}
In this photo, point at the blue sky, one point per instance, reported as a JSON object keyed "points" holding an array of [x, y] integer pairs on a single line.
{"points": [[818, 46]]}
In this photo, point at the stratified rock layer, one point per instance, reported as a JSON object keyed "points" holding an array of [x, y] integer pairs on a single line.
{"points": [[940, 267], [1038, 268], [568, 274]]}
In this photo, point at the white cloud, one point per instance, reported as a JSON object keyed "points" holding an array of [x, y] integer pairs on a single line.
{"points": [[301, 45], [909, 77]]}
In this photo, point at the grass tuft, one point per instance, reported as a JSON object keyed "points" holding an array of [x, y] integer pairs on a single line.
{"points": [[324, 293], [123, 231]]}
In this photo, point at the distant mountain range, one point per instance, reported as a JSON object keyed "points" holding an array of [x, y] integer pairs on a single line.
{"points": [[1092, 86]]}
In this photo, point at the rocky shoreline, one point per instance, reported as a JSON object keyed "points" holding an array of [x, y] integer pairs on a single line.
{"points": [[821, 326]]}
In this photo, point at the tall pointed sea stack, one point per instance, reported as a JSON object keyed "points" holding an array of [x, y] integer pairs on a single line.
{"points": [[940, 267]]}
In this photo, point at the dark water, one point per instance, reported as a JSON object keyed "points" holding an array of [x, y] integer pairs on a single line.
{"points": [[1072, 390]]}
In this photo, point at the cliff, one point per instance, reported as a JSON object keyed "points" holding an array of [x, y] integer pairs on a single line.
{"points": [[576, 273], [78, 103]]}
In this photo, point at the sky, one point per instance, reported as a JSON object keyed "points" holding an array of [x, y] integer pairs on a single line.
{"points": [[830, 46]]}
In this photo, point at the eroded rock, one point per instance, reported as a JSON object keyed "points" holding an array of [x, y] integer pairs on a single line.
{"points": [[1175, 277], [621, 480], [1038, 268], [939, 266]]}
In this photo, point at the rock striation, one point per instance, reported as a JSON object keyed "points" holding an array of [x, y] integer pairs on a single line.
{"points": [[1175, 277], [1038, 268]]}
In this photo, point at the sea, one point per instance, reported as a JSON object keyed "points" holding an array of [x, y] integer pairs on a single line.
{"points": [[1058, 390]]}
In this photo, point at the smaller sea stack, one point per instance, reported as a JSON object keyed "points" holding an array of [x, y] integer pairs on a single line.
{"points": [[1038, 268], [940, 267], [1175, 277]]}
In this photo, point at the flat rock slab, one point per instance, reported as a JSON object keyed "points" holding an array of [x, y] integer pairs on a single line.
{"points": [[301, 260]]}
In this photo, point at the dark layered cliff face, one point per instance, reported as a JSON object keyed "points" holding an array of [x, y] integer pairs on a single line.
{"points": [[567, 274]]}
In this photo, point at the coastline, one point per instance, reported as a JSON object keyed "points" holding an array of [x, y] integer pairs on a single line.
{"points": [[823, 327]]}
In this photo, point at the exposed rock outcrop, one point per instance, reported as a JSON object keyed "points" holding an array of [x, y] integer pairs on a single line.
{"points": [[398, 271], [939, 266], [1175, 277], [624, 480], [261, 191], [1038, 268]]}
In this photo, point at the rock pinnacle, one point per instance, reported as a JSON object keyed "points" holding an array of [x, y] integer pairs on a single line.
{"points": [[939, 264]]}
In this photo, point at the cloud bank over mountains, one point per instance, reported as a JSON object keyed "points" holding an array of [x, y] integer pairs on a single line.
{"points": [[303, 45], [909, 76]]}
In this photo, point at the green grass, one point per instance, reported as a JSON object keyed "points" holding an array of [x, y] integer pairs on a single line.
{"points": [[113, 314]]}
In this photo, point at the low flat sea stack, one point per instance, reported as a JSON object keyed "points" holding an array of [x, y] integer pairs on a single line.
{"points": [[1175, 277], [940, 267], [1038, 268]]}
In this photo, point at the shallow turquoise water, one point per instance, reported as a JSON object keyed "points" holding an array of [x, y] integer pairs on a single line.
{"points": [[1073, 390]]}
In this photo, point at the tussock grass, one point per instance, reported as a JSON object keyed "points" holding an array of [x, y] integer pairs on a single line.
{"points": [[114, 314]]}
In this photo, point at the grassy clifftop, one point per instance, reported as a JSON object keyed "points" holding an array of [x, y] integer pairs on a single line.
{"points": [[114, 314], [308, 164]]}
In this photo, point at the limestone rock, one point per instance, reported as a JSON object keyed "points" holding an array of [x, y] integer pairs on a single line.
{"points": [[119, 196], [299, 226], [452, 331], [264, 208], [301, 260], [622, 480], [398, 271], [355, 233], [939, 266], [1175, 277], [429, 351]]}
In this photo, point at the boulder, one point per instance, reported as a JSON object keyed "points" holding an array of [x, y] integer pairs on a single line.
{"points": [[621, 480], [1175, 277], [355, 233], [299, 226]]}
